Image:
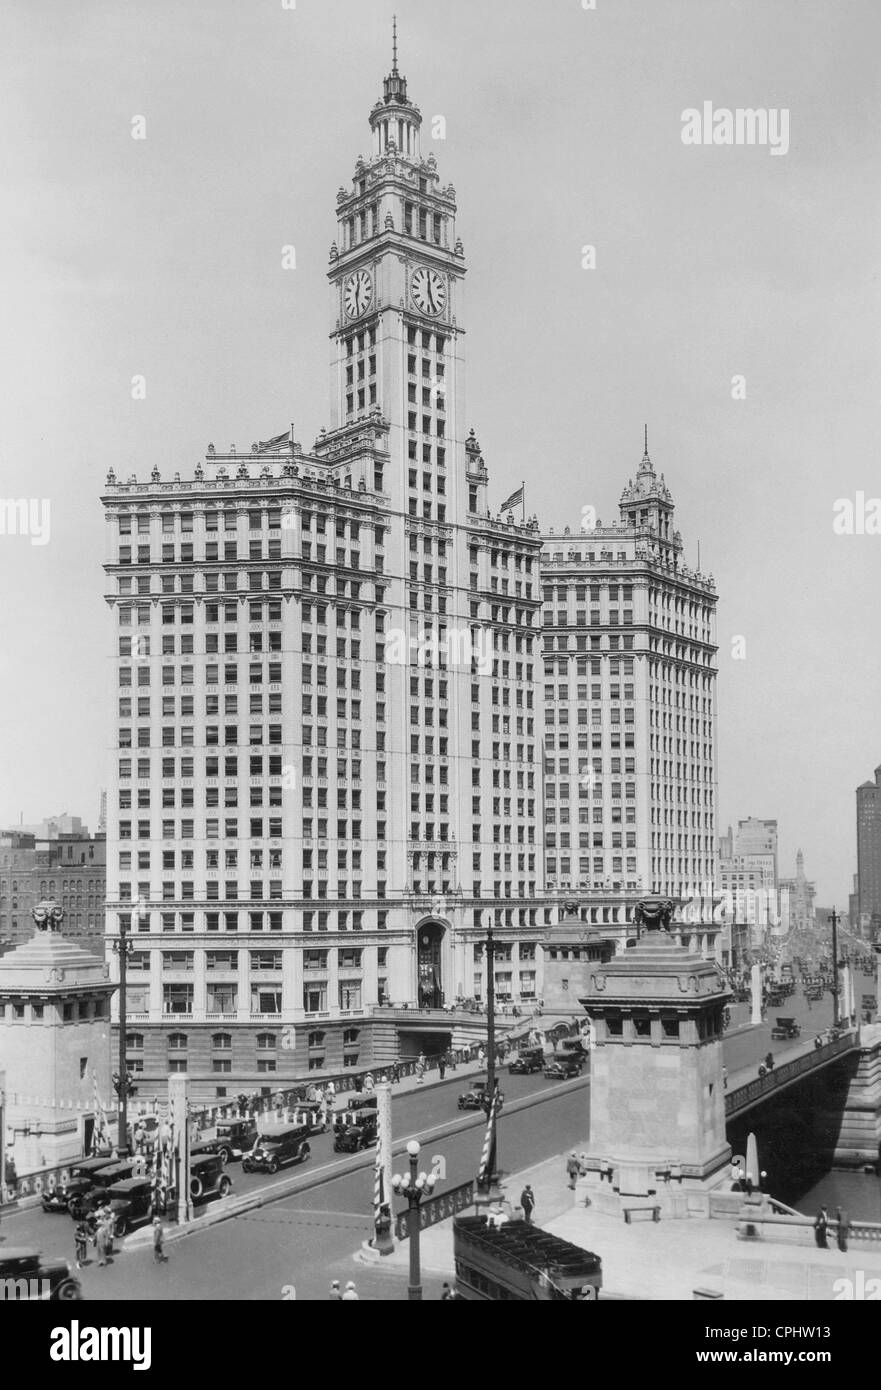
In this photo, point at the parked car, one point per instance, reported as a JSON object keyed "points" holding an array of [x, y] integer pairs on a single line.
{"points": [[208, 1179], [276, 1146], [83, 1204], [102, 1179], [563, 1067], [131, 1203], [310, 1114], [356, 1130], [475, 1098], [37, 1276], [530, 1059], [232, 1140], [785, 1029], [78, 1184]]}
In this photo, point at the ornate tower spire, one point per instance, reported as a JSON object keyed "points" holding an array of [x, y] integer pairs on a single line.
{"points": [[395, 120], [646, 466]]}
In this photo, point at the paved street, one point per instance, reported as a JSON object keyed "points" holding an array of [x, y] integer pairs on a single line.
{"points": [[308, 1239]]}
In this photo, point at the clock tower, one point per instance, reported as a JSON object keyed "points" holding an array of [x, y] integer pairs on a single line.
{"points": [[397, 286]]}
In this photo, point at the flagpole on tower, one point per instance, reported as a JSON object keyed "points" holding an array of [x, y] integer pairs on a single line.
{"points": [[523, 499]]}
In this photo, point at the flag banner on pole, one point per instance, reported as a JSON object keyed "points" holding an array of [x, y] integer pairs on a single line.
{"points": [[483, 1171], [378, 1182], [101, 1132], [513, 501]]}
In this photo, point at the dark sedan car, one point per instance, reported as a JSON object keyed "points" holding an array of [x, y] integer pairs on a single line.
{"points": [[233, 1139], [26, 1274], [530, 1060], [475, 1098], [564, 1068], [80, 1181]]}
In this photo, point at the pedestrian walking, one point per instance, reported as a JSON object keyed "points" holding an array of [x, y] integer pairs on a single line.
{"points": [[351, 1294], [842, 1231], [527, 1202], [159, 1255], [81, 1243], [101, 1245], [820, 1227], [442, 1068], [573, 1168]]}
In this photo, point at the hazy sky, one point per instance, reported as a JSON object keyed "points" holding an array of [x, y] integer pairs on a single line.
{"points": [[164, 257]]}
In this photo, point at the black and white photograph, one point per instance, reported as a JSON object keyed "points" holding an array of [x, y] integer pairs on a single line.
{"points": [[440, 519]]}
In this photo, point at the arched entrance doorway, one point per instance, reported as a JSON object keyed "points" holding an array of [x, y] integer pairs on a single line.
{"points": [[429, 977]]}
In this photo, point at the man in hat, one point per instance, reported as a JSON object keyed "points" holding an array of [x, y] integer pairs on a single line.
{"points": [[351, 1294], [335, 1296], [573, 1168], [159, 1255], [842, 1230], [527, 1202]]}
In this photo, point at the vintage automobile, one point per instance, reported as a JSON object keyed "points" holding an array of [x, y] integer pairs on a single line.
{"points": [[530, 1059], [311, 1114], [276, 1146], [131, 1203], [785, 1028], [79, 1183], [475, 1098], [97, 1194], [207, 1178], [563, 1066], [355, 1130], [232, 1140], [27, 1274]]}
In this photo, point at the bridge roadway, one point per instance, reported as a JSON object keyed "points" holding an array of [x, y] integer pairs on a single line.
{"points": [[307, 1238]]}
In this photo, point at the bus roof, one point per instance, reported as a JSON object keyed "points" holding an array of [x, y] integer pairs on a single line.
{"points": [[530, 1248]]}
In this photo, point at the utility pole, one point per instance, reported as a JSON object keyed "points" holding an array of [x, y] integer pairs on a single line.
{"points": [[834, 919]]}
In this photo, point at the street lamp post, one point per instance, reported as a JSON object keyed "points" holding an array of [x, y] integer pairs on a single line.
{"points": [[415, 1187], [122, 1082], [490, 1012]]}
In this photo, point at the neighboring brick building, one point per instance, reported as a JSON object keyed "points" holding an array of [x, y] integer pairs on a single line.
{"points": [[69, 869]]}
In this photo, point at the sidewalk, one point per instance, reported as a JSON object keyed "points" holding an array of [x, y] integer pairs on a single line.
{"points": [[663, 1261]]}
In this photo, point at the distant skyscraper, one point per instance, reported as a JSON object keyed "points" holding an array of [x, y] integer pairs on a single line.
{"points": [[868, 888], [748, 880], [801, 896]]}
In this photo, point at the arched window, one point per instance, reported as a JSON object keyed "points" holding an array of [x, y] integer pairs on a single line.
{"points": [[266, 1042], [221, 1042], [134, 1042], [177, 1042]]}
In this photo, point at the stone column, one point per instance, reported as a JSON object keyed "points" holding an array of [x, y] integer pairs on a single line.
{"points": [[756, 982]]}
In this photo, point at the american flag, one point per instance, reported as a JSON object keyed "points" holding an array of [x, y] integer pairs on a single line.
{"points": [[514, 500]]}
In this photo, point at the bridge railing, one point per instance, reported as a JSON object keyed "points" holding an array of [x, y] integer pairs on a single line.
{"points": [[745, 1096]]}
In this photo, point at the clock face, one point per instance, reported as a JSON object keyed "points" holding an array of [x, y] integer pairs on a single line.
{"points": [[358, 294], [429, 291]]}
